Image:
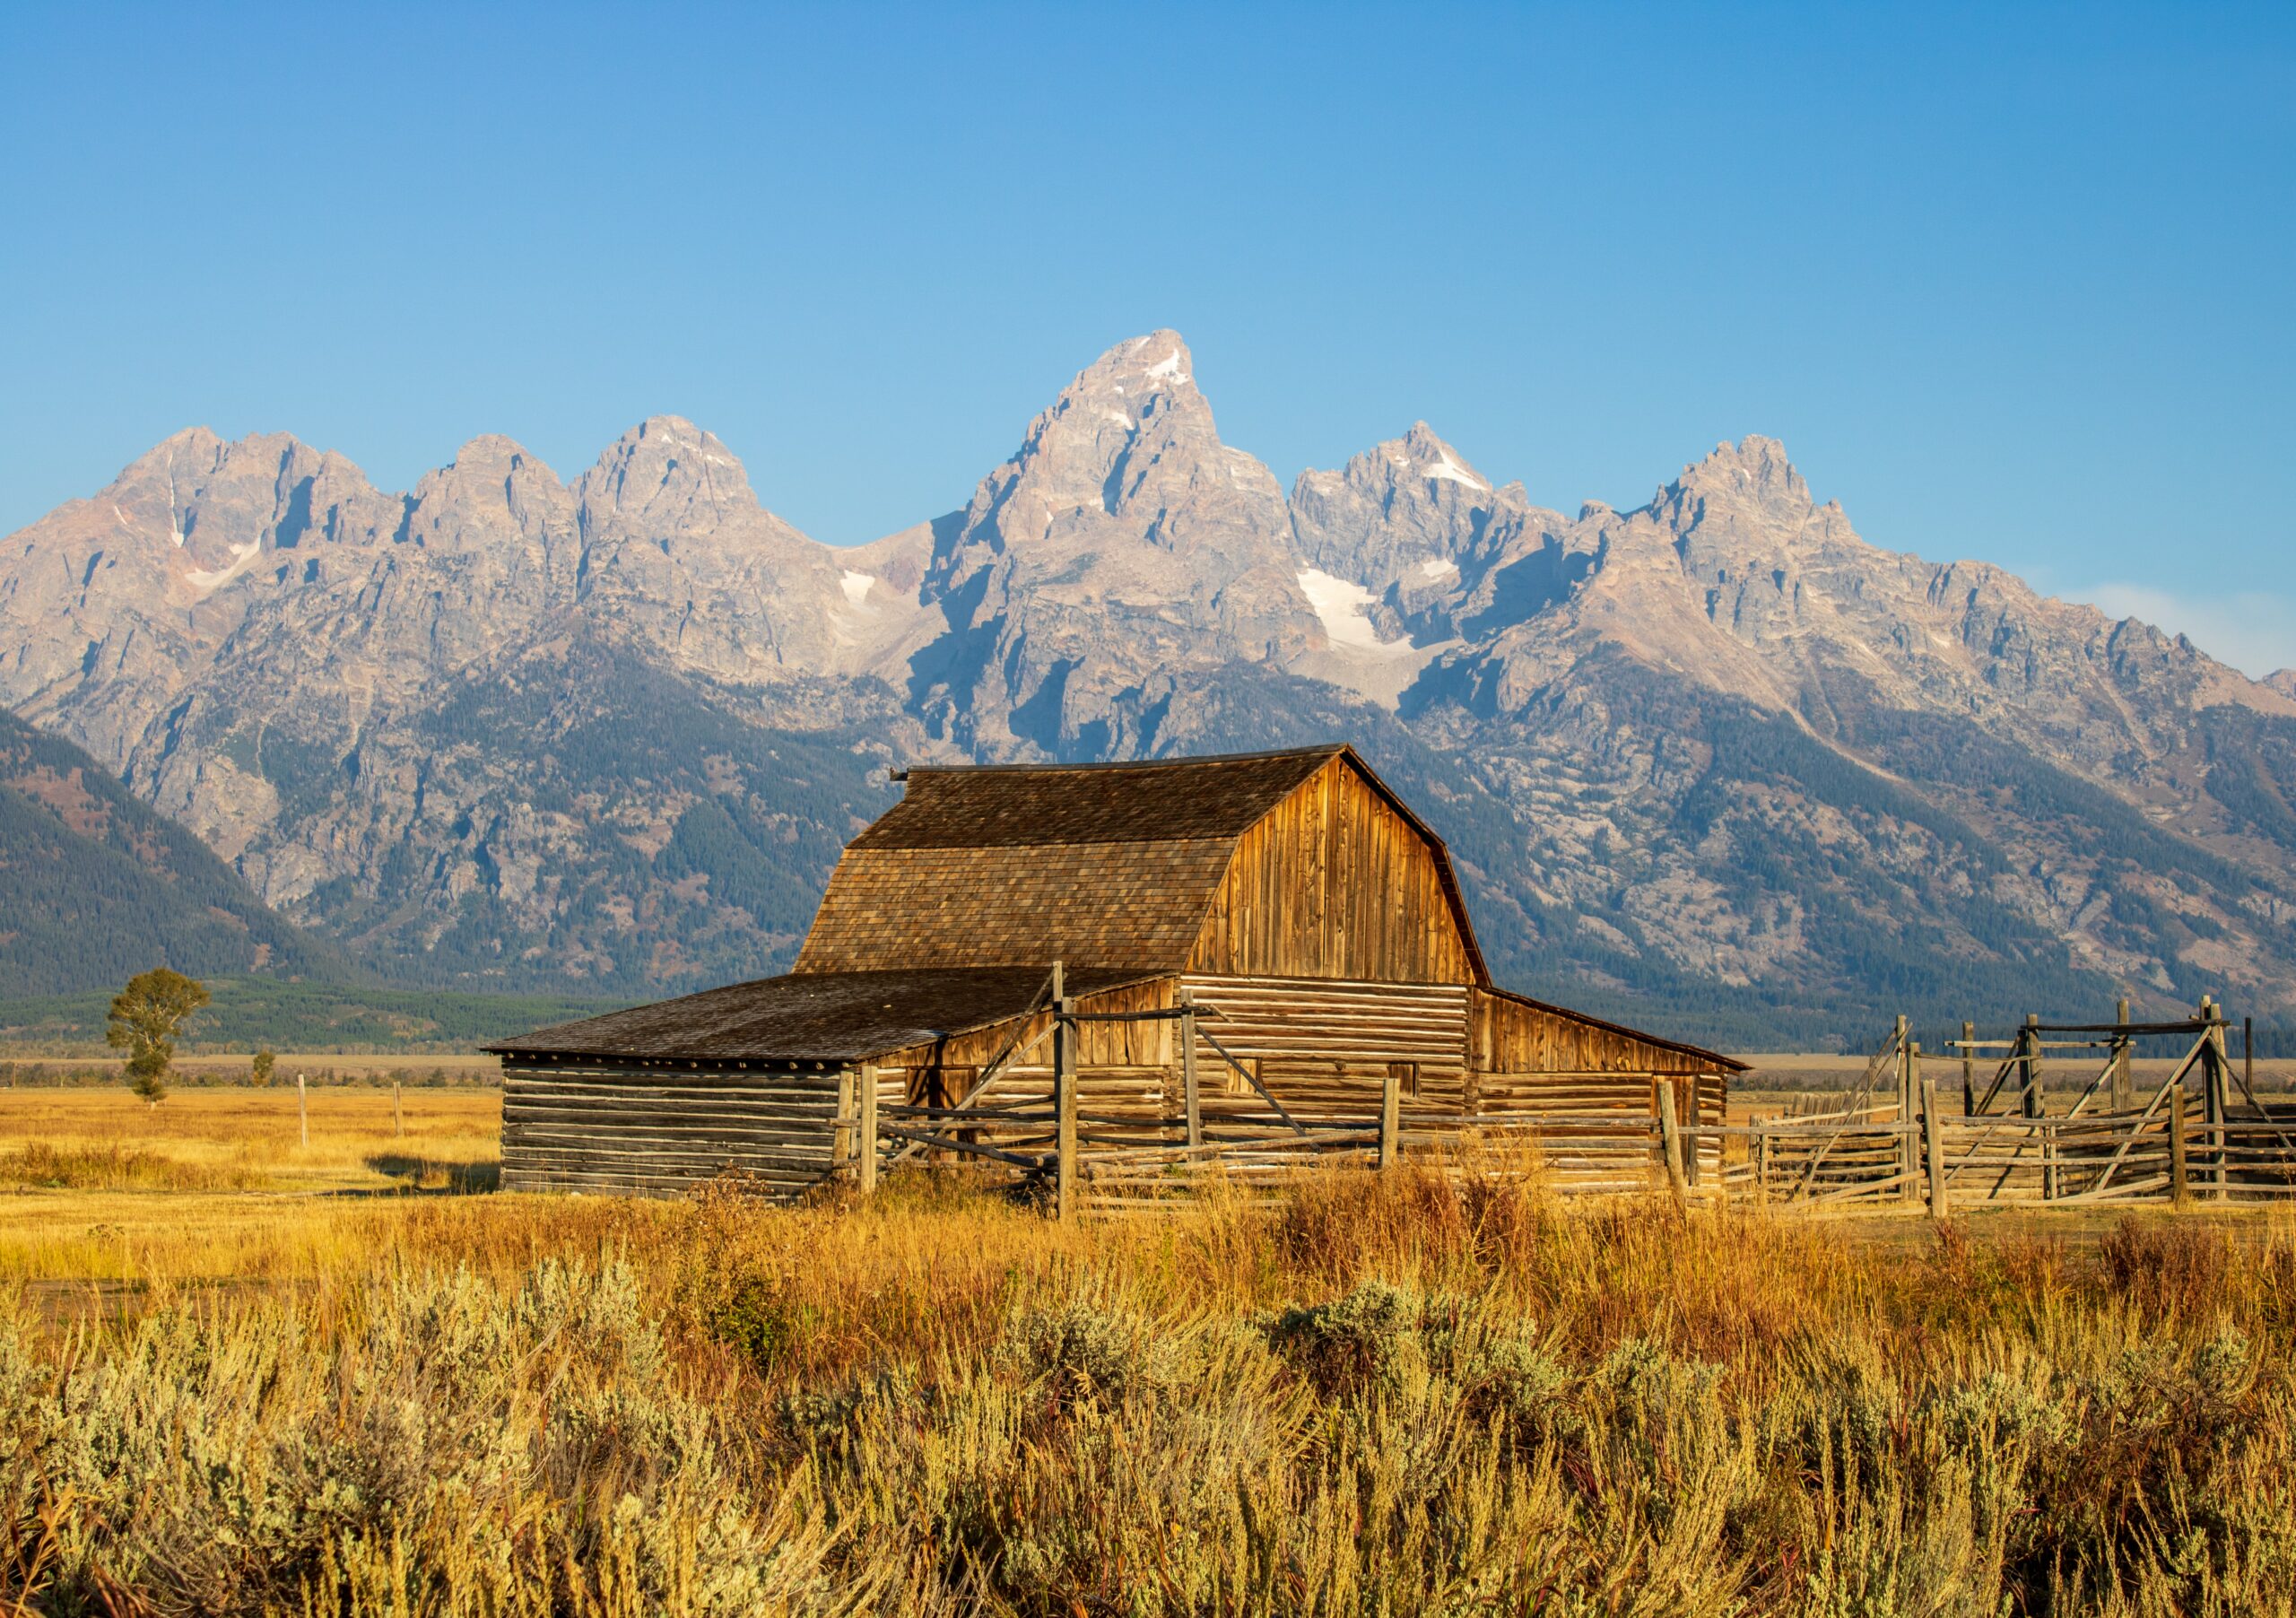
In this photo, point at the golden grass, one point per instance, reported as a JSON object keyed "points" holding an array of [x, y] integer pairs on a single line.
{"points": [[217, 1183], [1394, 1394]]}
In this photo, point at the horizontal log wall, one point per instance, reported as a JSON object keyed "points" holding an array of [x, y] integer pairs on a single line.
{"points": [[660, 1130], [1323, 1048]]}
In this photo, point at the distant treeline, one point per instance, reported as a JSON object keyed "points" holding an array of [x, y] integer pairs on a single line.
{"points": [[247, 1013], [87, 1074]]}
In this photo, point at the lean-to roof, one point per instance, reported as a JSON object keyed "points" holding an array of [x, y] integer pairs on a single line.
{"points": [[811, 1017]]}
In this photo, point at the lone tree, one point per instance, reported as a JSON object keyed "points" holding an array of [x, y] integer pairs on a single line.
{"points": [[259, 1070], [147, 1017]]}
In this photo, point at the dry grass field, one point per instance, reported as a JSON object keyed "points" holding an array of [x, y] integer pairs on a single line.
{"points": [[239, 1375], [216, 1183]]}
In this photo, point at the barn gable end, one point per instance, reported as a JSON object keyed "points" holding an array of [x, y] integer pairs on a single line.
{"points": [[1338, 881], [1293, 865]]}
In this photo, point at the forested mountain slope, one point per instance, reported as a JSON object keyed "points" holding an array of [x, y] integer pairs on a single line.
{"points": [[94, 887]]}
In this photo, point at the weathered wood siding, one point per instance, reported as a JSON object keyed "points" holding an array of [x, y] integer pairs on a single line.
{"points": [[1332, 883], [1510, 1035], [656, 1130], [941, 1073], [1530, 1061], [1323, 1046]]}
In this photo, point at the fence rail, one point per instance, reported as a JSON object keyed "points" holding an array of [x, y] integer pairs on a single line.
{"points": [[1113, 1140]]}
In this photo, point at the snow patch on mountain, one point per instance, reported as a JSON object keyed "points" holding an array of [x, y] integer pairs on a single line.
{"points": [[242, 559], [1449, 470], [1344, 609]]}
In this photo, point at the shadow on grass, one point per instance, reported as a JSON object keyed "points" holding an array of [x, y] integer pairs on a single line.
{"points": [[429, 1174]]}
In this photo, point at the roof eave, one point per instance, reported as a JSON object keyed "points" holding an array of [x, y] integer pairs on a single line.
{"points": [[779, 1058]]}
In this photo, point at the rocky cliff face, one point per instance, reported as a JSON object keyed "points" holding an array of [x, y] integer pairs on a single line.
{"points": [[1122, 550], [1715, 756]]}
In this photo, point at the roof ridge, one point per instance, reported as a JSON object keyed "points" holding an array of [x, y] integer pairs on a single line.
{"points": [[1320, 750]]}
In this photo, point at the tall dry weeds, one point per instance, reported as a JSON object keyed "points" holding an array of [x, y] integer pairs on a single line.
{"points": [[1397, 1395]]}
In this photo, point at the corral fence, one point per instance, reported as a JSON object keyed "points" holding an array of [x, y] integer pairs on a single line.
{"points": [[1113, 1140], [2202, 1133]]}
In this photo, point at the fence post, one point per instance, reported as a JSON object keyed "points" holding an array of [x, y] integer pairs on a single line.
{"points": [[1192, 1096], [2123, 1088], [2178, 1193], [398, 1119], [1670, 1140], [1390, 1111], [1688, 1136], [841, 1139], [1969, 1070], [2030, 1041], [2217, 1076], [1760, 1153], [303, 1110], [866, 1144], [1064, 1106], [1933, 1145], [1908, 1142]]}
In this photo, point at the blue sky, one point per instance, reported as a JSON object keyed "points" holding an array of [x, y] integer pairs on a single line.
{"points": [[2012, 283]]}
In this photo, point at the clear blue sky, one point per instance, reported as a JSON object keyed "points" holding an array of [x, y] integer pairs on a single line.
{"points": [[2014, 283]]}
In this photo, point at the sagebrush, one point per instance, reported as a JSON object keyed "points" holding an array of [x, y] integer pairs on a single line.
{"points": [[1397, 1394]]}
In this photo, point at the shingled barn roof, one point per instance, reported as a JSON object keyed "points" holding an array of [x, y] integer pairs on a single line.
{"points": [[1108, 865], [808, 1017], [1032, 805]]}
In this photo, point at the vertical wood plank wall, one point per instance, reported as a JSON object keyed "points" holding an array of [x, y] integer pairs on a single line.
{"points": [[1333, 884]]}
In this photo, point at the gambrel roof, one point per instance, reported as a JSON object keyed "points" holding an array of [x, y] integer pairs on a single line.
{"points": [[1103, 865]]}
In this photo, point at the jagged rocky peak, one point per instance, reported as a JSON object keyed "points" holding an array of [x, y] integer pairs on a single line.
{"points": [[1420, 457], [209, 496], [1130, 437], [667, 476], [1411, 512], [1121, 541], [1755, 468], [494, 489], [201, 510], [1144, 385], [1156, 367], [1418, 467], [2282, 680], [1746, 505]]}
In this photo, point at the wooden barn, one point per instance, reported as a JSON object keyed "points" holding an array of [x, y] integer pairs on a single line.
{"points": [[1254, 951]]}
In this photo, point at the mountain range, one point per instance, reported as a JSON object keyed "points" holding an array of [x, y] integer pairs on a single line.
{"points": [[1715, 764]]}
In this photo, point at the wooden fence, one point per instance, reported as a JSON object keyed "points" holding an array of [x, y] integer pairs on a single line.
{"points": [[2203, 1134], [1115, 1140]]}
